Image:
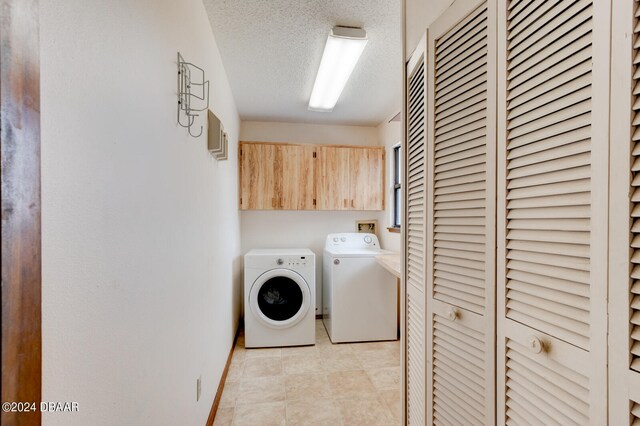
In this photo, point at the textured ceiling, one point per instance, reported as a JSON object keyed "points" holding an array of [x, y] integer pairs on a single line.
{"points": [[271, 50]]}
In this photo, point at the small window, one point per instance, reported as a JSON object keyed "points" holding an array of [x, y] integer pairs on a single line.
{"points": [[397, 192]]}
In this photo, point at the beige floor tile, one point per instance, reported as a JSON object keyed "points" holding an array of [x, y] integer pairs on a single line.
{"points": [[313, 412], [239, 354], [269, 414], [337, 361], [324, 384], [365, 412], [385, 378], [235, 371], [259, 390], [334, 348], [224, 417], [370, 346], [301, 351], [321, 332], [322, 342], [393, 399], [229, 393], [350, 384], [305, 386], [262, 367], [262, 352], [379, 358], [301, 365]]}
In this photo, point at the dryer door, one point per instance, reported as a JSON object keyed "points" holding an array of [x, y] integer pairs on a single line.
{"points": [[280, 298]]}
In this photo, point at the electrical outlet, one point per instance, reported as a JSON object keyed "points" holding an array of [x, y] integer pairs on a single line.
{"points": [[198, 388]]}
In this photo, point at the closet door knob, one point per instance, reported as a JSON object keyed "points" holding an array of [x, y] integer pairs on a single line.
{"points": [[453, 314], [535, 345]]}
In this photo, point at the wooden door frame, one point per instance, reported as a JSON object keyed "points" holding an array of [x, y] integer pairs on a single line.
{"points": [[21, 208]]}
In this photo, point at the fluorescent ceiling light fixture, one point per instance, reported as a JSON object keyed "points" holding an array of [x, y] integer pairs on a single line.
{"points": [[341, 53]]}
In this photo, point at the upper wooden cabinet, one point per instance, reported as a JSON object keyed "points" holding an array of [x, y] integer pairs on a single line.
{"points": [[366, 178], [332, 184], [258, 183], [296, 191], [310, 177]]}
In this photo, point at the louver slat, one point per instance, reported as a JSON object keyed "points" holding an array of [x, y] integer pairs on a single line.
{"points": [[549, 177], [635, 230], [460, 164], [545, 389], [635, 413], [415, 356], [416, 181], [458, 371], [461, 197], [415, 248]]}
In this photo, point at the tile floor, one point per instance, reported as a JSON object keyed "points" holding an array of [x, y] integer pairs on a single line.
{"points": [[325, 384]]}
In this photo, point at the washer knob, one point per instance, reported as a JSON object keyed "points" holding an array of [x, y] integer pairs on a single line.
{"points": [[343, 239], [336, 261], [279, 261], [335, 239], [368, 239]]}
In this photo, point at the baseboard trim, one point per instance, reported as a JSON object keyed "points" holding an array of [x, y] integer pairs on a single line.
{"points": [[223, 378]]}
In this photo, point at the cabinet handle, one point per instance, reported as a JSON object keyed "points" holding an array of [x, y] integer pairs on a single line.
{"points": [[535, 344], [453, 314], [273, 202], [345, 202], [353, 206], [281, 202]]}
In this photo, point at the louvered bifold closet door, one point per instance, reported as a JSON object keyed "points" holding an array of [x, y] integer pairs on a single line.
{"points": [[553, 209], [461, 148], [624, 224], [414, 237]]}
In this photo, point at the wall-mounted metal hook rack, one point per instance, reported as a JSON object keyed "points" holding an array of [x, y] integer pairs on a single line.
{"points": [[191, 87]]}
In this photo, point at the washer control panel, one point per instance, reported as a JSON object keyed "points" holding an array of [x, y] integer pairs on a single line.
{"points": [[352, 240]]}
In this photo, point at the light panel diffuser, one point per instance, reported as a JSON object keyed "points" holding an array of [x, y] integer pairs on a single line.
{"points": [[341, 53]]}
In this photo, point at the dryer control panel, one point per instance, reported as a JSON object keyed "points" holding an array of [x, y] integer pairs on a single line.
{"points": [[352, 240], [293, 262]]}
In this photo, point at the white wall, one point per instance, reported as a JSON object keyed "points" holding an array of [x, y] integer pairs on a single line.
{"points": [[295, 229], [141, 232], [389, 135], [262, 131], [419, 14]]}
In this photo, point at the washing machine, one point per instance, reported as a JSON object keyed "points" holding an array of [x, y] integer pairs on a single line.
{"points": [[279, 297], [359, 295]]}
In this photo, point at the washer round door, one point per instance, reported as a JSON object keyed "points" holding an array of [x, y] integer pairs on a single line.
{"points": [[280, 298]]}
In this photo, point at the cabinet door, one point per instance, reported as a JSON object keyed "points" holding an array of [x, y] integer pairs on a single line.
{"points": [[414, 240], [366, 178], [258, 176], [296, 180], [624, 223], [461, 199], [332, 183], [553, 211]]}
